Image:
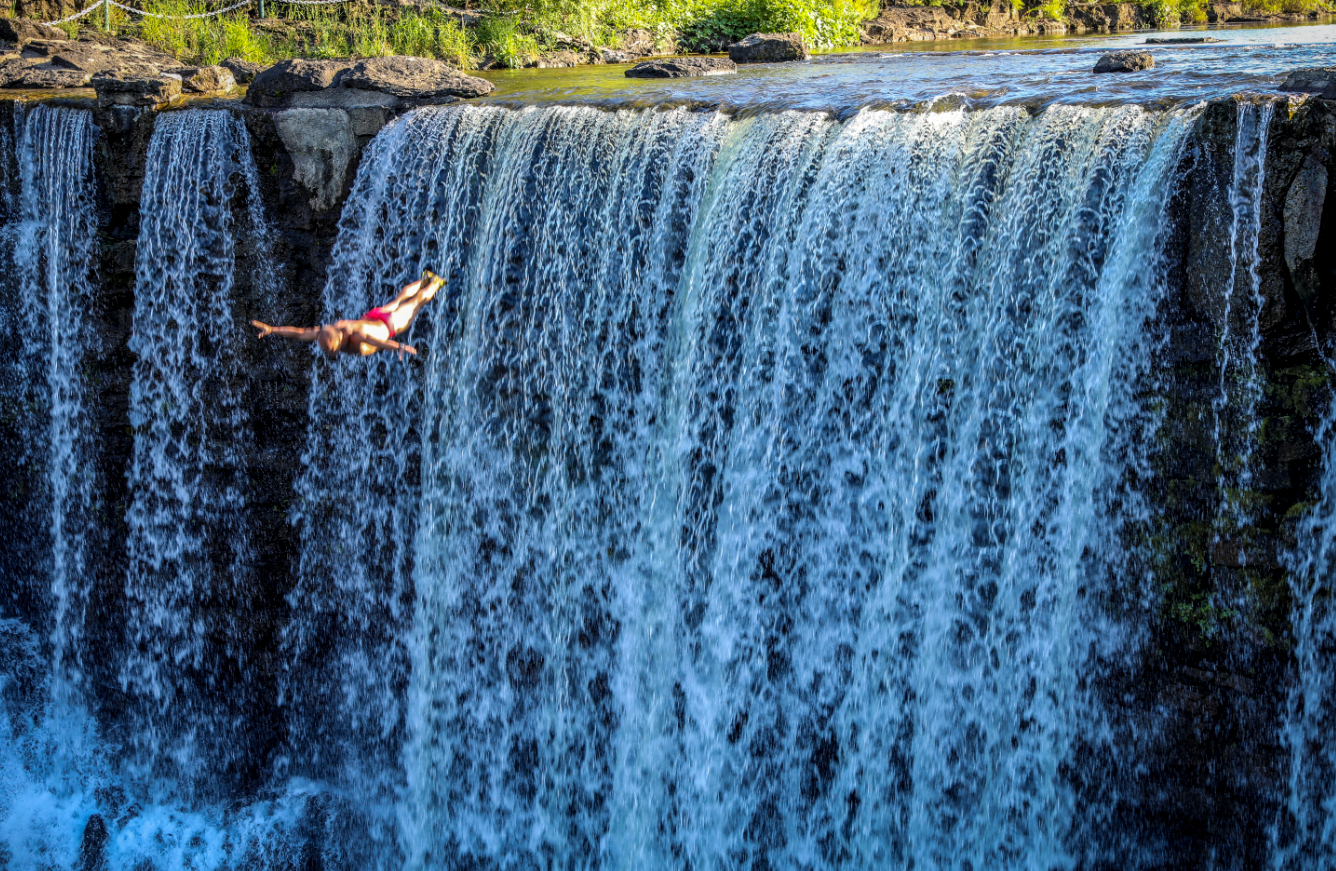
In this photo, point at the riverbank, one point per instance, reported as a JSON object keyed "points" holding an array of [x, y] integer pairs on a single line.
{"points": [[475, 40]]}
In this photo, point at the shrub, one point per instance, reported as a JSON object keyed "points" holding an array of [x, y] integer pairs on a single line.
{"points": [[502, 37]]}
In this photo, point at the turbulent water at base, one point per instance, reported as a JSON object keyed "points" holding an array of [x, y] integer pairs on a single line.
{"points": [[772, 485], [188, 551]]}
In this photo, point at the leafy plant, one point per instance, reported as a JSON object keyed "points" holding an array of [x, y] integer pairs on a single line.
{"points": [[501, 36]]}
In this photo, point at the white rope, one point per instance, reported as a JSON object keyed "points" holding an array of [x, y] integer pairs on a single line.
{"points": [[97, 5], [180, 17], [234, 6]]}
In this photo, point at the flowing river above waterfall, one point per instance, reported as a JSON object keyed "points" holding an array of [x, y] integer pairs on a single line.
{"points": [[933, 483]]}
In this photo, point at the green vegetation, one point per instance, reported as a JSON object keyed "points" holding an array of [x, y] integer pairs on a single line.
{"points": [[514, 34]]}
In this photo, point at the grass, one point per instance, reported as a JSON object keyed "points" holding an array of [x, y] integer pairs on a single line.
{"points": [[514, 34]]}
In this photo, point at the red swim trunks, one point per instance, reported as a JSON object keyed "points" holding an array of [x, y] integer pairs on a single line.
{"points": [[379, 314]]}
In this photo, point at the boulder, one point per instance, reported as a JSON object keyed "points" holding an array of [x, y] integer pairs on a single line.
{"points": [[84, 59], [42, 77], [243, 71], [11, 71], [322, 145], [93, 847], [206, 80], [40, 48], [1125, 62], [1313, 80], [558, 60], [269, 88], [761, 48], [612, 56], [682, 67], [156, 90], [414, 78], [21, 30], [1183, 40]]}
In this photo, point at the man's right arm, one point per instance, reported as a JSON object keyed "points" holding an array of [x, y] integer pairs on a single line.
{"points": [[301, 334]]}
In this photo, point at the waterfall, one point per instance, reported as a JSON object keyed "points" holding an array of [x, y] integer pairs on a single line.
{"points": [[771, 483], [189, 577], [48, 245], [1240, 373], [1306, 837], [52, 240]]}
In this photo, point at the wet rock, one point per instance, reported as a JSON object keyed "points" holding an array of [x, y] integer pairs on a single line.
{"points": [[21, 30], [1303, 223], [322, 145], [243, 71], [206, 80], [41, 76], [682, 67], [1183, 40], [1125, 62], [93, 847], [760, 48], [349, 99], [271, 87], [1313, 80], [415, 78], [113, 90], [559, 60]]}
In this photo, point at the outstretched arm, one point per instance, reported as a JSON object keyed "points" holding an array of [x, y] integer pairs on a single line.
{"points": [[385, 345], [301, 334]]}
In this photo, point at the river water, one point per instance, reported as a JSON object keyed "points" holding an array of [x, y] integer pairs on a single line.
{"points": [[763, 495]]}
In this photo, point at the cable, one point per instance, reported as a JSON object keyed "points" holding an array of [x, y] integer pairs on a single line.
{"points": [[182, 17], [96, 5]]}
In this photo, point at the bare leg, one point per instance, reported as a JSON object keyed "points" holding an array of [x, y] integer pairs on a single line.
{"points": [[407, 310]]}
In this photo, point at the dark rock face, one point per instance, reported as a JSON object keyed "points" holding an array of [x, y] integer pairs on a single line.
{"points": [[1314, 80], [1304, 204], [768, 48], [243, 71], [293, 76], [21, 30], [416, 78], [1125, 62], [682, 67], [1210, 690], [136, 90]]}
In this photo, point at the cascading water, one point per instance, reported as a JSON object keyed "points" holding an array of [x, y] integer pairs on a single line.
{"points": [[53, 237], [1306, 836], [770, 481], [50, 233], [1240, 371], [189, 557]]}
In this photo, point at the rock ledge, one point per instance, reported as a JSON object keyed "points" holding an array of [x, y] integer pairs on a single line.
{"points": [[1125, 62], [682, 67], [762, 48]]}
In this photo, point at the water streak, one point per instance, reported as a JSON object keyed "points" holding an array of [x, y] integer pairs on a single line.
{"points": [[1241, 374], [188, 550]]}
